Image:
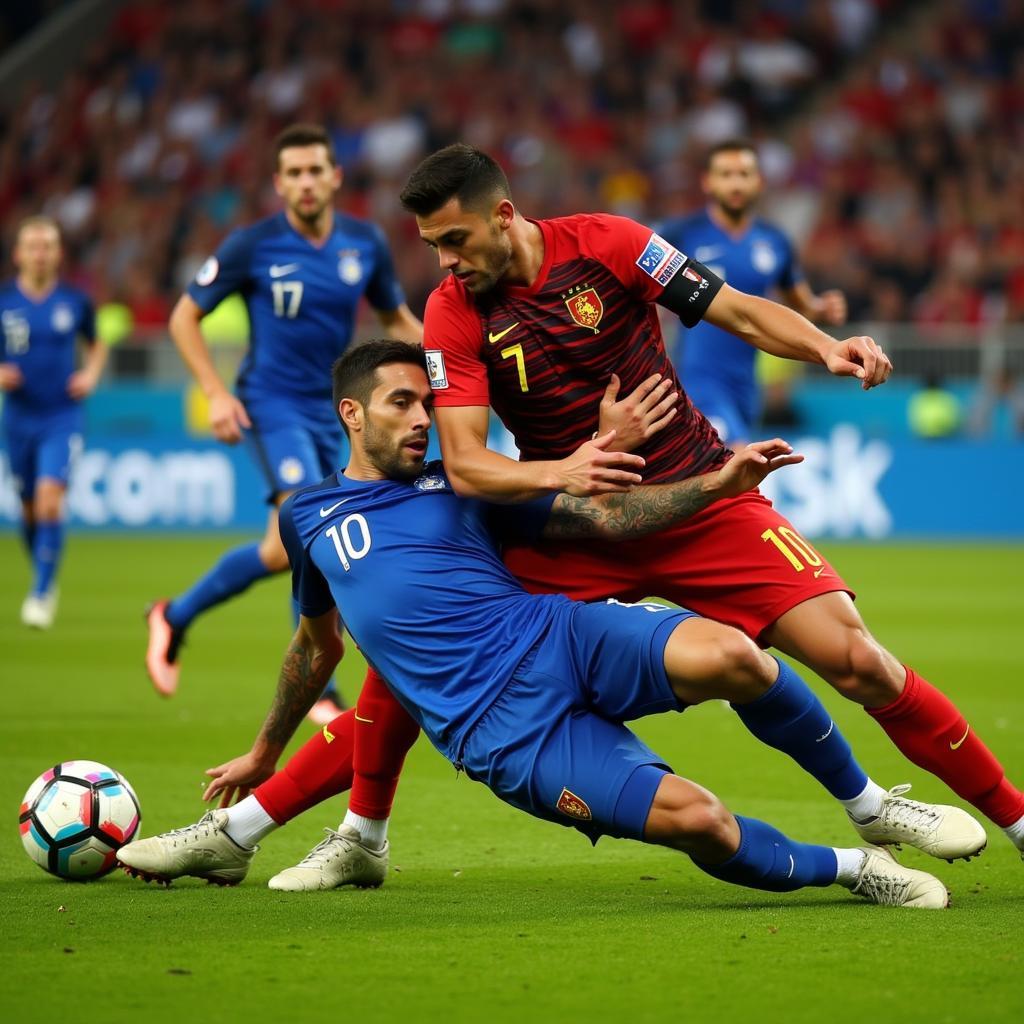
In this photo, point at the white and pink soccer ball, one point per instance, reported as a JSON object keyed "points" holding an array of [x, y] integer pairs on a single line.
{"points": [[76, 816]]}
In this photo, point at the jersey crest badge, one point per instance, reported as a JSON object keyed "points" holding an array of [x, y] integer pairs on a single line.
{"points": [[586, 309], [63, 319], [660, 259], [208, 272], [435, 369], [350, 267], [572, 806], [431, 483], [763, 257]]}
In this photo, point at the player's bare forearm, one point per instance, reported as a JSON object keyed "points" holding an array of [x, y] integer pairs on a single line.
{"points": [[769, 326], [477, 472], [402, 324], [188, 339], [654, 507], [307, 665], [643, 510]]}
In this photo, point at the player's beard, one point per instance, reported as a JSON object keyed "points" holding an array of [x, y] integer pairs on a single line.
{"points": [[496, 262], [389, 456]]}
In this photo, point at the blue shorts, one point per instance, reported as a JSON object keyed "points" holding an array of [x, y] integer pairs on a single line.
{"points": [[553, 743], [291, 447], [734, 412], [42, 447]]}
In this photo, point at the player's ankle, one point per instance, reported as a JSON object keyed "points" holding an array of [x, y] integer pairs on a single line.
{"points": [[373, 832]]}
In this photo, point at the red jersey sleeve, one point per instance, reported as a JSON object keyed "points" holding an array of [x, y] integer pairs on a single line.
{"points": [[647, 265], [452, 334]]}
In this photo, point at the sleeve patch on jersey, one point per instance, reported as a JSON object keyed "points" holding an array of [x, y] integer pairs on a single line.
{"points": [[435, 369], [208, 272], [660, 260]]}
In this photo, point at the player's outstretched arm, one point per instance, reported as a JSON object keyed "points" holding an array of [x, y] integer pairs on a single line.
{"points": [[311, 657], [781, 331], [477, 472], [227, 414], [649, 509]]}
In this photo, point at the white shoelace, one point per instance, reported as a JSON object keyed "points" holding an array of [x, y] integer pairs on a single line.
{"points": [[897, 810], [324, 850], [882, 889]]}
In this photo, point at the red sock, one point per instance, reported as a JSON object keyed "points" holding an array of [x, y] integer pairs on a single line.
{"points": [[927, 727], [320, 768], [384, 732]]}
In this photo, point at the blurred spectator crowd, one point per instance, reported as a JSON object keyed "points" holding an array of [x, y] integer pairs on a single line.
{"points": [[891, 133]]}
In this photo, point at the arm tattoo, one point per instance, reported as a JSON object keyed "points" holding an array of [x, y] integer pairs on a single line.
{"points": [[640, 511], [304, 674]]}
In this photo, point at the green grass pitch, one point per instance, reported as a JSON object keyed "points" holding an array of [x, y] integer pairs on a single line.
{"points": [[487, 915]]}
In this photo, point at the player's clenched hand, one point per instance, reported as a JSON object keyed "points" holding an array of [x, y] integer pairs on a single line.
{"points": [[228, 417], [859, 357], [751, 464], [592, 469], [234, 779], [82, 383], [10, 377], [641, 414], [832, 307]]}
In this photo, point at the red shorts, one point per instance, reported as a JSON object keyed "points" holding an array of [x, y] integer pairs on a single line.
{"points": [[738, 561]]}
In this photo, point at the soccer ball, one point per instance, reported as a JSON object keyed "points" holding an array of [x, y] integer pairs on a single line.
{"points": [[76, 816]]}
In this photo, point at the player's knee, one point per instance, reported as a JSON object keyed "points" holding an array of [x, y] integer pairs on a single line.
{"points": [[868, 674], [273, 556], [702, 820], [732, 667]]}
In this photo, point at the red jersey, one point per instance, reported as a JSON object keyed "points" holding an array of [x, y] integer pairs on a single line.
{"points": [[542, 356]]}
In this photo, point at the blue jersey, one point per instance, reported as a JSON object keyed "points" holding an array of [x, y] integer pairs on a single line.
{"points": [[415, 572], [757, 262], [39, 337], [302, 299]]}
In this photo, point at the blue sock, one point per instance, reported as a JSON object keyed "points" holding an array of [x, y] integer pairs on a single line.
{"points": [[236, 571], [331, 689], [769, 860], [46, 548], [28, 537], [790, 718]]}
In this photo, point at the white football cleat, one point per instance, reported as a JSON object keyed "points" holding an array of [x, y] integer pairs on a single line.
{"points": [[885, 881], [202, 850], [39, 610], [340, 859], [162, 650], [936, 829], [325, 710]]}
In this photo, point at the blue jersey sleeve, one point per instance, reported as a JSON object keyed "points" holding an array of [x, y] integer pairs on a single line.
{"points": [[225, 272], [383, 291], [309, 588], [790, 272], [520, 522], [87, 321]]}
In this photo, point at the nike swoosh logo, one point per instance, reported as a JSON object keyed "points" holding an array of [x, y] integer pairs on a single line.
{"points": [[831, 726], [368, 721], [792, 866], [325, 512], [495, 338], [818, 572], [280, 271], [960, 742]]}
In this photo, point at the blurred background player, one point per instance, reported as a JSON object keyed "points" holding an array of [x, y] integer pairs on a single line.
{"points": [[302, 274], [43, 319], [754, 256]]}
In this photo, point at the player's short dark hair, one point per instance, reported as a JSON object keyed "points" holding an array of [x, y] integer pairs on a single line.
{"points": [[303, 135], [354, 375], [456, 172], [736, 145]]}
